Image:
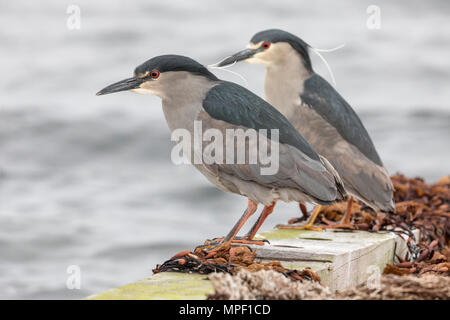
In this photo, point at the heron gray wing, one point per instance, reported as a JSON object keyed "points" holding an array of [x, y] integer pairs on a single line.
{"points": [[363, 179], [330, 105], [295, 170], [369, 193], [238, 106]]}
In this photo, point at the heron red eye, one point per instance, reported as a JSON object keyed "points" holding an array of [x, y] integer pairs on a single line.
{"points": [[265, 45], [154, 74]]}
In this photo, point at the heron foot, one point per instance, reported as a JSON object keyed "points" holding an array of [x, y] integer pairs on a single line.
{"points": [[337, 225], [217, 242]]}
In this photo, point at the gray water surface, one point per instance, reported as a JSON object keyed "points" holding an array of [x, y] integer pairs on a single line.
{"points": [[88, 180]]}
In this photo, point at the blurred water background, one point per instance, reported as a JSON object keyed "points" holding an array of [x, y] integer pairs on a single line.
{"points": [[88, 180]]}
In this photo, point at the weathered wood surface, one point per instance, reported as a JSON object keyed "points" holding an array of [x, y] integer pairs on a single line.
{"points": [[341, 258]]}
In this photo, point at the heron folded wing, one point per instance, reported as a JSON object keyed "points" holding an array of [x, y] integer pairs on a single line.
{"points": [[236, 105], [363, 179], [294, 169], [329, 104]]}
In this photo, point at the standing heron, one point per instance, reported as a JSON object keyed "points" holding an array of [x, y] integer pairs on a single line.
{"points": [[191, 93], [321, 115]]}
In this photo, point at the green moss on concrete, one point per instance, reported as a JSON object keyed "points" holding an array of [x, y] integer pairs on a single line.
{"points": [[162, 286], [278, 234]]}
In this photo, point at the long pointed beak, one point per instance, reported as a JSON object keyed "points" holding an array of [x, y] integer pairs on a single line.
{"points": [[127, 84], [239, 56]]}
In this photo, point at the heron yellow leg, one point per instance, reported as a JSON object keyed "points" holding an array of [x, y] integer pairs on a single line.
{"points": [[345, 222], [307, 226]]}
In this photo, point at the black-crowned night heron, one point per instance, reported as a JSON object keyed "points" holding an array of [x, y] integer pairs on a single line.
{"points": [[321, 115], [191, 93]]}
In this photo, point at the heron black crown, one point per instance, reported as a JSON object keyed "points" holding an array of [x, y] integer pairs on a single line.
{"points": [[277, 35], [166, 63]]}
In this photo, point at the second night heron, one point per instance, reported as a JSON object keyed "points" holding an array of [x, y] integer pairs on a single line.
{"points": [[190, 93], [321, 115]]}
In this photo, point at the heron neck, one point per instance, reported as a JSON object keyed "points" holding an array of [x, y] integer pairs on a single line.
{"points": [[284, 82], [182, 101]]}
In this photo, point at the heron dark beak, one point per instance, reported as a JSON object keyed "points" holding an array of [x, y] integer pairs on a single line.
{"points": [[124, 85], [239, 56]]}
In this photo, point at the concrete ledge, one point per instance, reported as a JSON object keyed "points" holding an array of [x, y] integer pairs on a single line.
{"points": [[161, 286], [341, 258]]}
